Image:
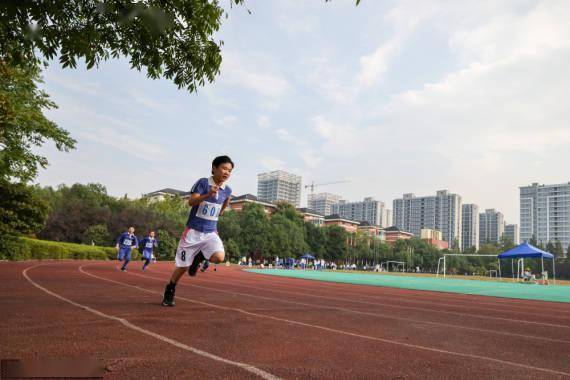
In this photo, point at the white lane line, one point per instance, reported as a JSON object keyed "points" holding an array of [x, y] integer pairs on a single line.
{"points": [[378, 315], [247, 367], [422, 309], [341, 332]]}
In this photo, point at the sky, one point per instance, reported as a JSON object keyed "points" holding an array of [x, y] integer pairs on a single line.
{"points": [[392, 96]]}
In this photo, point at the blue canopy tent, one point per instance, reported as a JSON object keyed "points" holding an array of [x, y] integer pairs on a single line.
{"points": [[524, 251], [307, 256]]}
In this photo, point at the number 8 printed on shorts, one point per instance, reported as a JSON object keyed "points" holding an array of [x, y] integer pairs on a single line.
{"points": [[183, 255]]}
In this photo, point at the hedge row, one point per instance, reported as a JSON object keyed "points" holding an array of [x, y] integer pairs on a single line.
{"points": [[34, 249]]}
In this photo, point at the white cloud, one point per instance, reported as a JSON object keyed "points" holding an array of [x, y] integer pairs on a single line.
{"points": [[404, 19], [284, 135], [374, 65], [544, 27], [148, 102], [498, 122], [311, 158], [327, 79], [82, 87], [144, 149], [254, 75], [339, 140], [272, 163], [297, 23], [119, 133], [226, 121], [263, 121]]}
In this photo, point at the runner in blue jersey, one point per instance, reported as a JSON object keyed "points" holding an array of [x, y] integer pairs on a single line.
{"points": [[209, 198], [125, 244], [148, 244]]}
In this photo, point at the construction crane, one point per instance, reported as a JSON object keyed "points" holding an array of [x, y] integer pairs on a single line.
{"points": [[313, 185]]}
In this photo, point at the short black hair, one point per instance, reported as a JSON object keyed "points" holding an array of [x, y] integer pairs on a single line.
{"points": [[222, 160]]}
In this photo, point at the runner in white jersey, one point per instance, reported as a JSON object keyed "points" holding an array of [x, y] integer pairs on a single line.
{"points": [[209, 198]]}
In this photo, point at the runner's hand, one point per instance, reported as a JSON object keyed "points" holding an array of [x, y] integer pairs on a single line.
{"points": [[213, 190]]}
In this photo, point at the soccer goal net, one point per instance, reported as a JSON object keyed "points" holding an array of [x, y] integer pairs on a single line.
{"points": [[468, 265], [392, 266]]}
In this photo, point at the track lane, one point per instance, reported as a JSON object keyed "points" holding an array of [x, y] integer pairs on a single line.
{"points": [[149, 333], [311, 323]]}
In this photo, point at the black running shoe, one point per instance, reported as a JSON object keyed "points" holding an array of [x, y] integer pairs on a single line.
{"points": [[169, 291], [192, 269]]}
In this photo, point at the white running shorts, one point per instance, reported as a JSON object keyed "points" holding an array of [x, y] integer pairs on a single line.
{"points": [[192, 242]]}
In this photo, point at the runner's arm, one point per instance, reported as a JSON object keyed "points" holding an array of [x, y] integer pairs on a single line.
{"points": [[196, 198], [118, 241], [226, 204], [136, 243]]}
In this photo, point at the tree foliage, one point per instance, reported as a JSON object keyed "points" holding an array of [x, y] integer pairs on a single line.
{"points": [[229, 225], [97, 234], [167, 244], [21, 212], [254, 237], [74, 209], [557, 249], [86, 213], [174, 39], [23, 125], [336, 245], [316, 239]]}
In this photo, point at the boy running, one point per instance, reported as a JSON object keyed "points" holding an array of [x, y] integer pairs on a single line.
{"points": [[125, 244], [148, 244], [209, 198]]}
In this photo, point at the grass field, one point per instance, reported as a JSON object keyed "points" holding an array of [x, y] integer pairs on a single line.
{"points": [[458, 277]]}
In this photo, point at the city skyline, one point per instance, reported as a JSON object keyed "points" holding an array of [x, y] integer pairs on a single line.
{"points": [[339, 198], [438, 213]]}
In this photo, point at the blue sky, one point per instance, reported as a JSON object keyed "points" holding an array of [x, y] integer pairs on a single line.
{"points": [[394, 96]]}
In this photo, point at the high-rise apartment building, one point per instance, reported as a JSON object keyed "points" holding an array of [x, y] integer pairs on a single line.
{"points": [[323, 202], [440, 212], [279, 186], [370, 210], [491, 226], [512, 233], [469, 226], [545, 213]]}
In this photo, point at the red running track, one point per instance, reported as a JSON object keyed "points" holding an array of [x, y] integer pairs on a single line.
{"points": [[234, 324]]}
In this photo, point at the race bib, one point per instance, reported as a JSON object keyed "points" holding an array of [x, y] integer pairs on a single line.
{"points": [[209, 211], [148, 245], [127, 242]]}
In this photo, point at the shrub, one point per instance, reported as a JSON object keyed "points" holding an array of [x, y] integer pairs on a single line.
{"points": [[34, 249]]}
